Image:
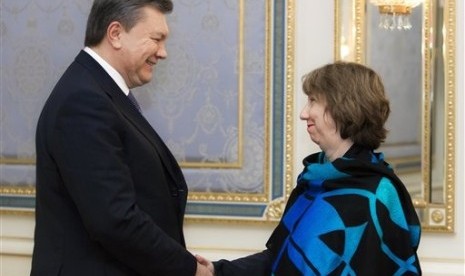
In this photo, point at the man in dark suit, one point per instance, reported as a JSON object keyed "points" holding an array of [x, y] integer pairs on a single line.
{"points": [[110, 195]]}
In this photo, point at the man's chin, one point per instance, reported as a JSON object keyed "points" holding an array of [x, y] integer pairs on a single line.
{"points": [[143, 81]]}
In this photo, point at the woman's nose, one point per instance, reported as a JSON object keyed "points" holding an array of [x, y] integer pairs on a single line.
{"points": [[304, 113]]}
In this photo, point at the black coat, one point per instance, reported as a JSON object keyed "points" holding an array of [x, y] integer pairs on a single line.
{"points": [[110, 196]]}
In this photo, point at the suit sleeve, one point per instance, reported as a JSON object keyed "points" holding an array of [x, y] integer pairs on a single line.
{"points": [[89, 149], [257, 264]]}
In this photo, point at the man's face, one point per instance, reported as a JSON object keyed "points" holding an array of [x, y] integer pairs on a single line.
{"points": [[142, 47]]}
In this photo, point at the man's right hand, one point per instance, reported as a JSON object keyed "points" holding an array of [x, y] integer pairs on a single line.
{"points": [[203, 270]]}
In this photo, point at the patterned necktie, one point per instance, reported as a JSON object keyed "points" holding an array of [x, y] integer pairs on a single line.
{"points": [[134, 101]]}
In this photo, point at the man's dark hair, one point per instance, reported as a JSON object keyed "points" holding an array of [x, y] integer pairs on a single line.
{"points": [[127, 12]]}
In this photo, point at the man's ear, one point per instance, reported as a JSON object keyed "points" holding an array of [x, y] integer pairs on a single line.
{"points": [[114, 32]]}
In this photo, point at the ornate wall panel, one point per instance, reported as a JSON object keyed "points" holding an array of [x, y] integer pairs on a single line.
{"points": [[222, 100]]}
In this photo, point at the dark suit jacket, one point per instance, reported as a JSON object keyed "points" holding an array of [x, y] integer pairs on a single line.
{"points": [[110, 196]]}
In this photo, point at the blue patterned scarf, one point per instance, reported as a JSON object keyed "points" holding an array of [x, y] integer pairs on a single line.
{"points": [[352, 216]]}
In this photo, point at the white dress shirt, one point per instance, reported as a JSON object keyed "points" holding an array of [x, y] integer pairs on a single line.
{"points": [[109, 69]]}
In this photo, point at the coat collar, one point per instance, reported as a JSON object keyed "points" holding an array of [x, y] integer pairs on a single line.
{"points": [[131, 113]]}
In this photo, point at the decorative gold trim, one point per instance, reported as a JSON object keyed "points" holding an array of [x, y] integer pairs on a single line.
{"points": [[428, 33], [337, 30], [228, 221], [420, 203], [17, 161], [449, 119], [357, 33], [395, 9], [216, 165], [360, 30], [289, 149], [437, 216], [240, 138], [21, 191], [228, 250], [17, 255], [275, 209], [14, 190], [449, 21], [229, 197], [17, 211], [268, 87]]}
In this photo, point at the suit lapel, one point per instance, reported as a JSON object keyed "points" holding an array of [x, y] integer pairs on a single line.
{"points": [[139, 121], [135, 117]]}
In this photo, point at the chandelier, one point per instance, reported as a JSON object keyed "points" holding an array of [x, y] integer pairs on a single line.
{"points": [[395, 14]]}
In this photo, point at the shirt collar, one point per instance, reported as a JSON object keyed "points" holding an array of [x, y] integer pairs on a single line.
{"points": [[110, 70]]}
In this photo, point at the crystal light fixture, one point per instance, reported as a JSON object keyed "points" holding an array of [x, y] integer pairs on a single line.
{"points": [[395, 14]]}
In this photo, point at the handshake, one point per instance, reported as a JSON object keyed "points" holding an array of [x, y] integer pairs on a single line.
{"points": [[204, 267]]}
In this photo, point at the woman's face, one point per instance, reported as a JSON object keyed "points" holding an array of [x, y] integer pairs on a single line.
{"points": [[320, 125]]}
